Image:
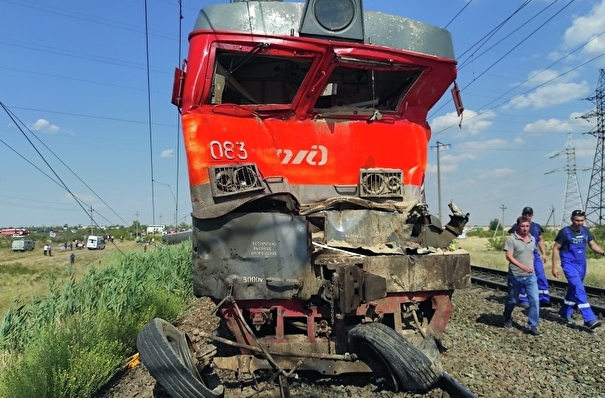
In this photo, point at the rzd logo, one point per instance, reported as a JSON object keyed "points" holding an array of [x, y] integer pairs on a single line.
{"points": [[317, 156]]}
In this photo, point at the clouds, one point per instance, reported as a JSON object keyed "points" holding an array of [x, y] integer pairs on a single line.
{"points": [[167, 153], [554, 94], [497, 173], [473, 123], [574, 123], [583, 28], [44, 126]]}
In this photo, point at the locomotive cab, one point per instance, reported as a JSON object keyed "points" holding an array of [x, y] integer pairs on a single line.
{"points": [[306, 137]]}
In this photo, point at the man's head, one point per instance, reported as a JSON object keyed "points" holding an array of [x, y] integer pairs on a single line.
{"points": [[527, 212], [577, 219], [523, 225]]}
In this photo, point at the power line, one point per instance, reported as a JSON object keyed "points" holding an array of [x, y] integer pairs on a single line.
{"points": [[149, 113], [458, 14]]}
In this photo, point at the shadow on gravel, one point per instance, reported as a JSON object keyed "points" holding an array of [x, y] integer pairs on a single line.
{"points": [[491, 319], [497, 299]]}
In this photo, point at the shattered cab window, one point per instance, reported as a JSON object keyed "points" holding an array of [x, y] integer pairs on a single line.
{"points": [[253, 78], [350, 87]]}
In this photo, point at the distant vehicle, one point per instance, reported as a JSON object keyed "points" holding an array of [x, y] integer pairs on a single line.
{"points": [[21, 245], [95, 242], [13, 232], [176, 237], [156, 229]]}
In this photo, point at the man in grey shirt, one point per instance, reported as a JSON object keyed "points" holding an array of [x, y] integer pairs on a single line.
{"points": [[519, 248]]}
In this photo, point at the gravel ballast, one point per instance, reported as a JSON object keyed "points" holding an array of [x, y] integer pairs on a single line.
{"points": [[489, 360]]}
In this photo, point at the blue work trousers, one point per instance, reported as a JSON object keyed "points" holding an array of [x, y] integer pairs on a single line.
{"points": [[530, 283], [576, 293], [543, 292]]}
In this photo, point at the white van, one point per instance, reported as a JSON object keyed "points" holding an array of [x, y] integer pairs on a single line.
{"points": [[21, 245], [95, 242]]}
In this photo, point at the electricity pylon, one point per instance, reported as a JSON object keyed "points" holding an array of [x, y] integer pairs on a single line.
{"points": [[595, 214], [572, 198]]}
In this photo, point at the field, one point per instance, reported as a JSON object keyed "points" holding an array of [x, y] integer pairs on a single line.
{"points": [[23, 274], [480, 255]]}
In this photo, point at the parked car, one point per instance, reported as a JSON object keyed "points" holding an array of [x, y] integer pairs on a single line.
{"points": [[21, 245], [95, 242]]}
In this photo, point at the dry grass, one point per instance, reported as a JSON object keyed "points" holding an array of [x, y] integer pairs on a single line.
{"points": [[28, 273], [480, 255]]}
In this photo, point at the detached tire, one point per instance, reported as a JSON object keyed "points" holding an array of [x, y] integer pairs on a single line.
{"points": [[383, 349], [166, 353]]}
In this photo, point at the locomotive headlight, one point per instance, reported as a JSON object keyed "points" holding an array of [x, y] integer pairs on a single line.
{"points": [[334, 15], [333, 19]]}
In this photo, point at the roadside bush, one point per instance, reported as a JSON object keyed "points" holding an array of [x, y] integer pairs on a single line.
{"points": [[496, 244]]}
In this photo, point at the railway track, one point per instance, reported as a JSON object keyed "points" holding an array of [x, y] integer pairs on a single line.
{"points": [[496, 279]]}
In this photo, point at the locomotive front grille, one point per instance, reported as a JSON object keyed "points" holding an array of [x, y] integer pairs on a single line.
{"points": [[231, 180], [381, 183]]}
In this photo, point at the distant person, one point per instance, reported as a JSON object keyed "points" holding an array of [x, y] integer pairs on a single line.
{"points": [[519, 248], [65, 245], [570, 246], [72, 258], [71, 246], [50, 248], [45, 250], [536, 231]]}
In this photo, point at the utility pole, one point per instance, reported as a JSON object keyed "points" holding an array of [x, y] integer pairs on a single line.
{"points": [[137, 225], [500, 221], [551, 215], [92, 228], [438, 146]]}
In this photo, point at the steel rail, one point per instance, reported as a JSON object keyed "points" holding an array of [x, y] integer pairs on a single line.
{"points": [[496, 279]]}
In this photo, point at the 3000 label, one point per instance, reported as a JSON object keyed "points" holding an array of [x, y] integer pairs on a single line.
{"points": [[253, 279]]}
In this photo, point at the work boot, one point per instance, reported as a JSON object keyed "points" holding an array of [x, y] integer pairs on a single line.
{"points": [[595, 323], [533, 331]]}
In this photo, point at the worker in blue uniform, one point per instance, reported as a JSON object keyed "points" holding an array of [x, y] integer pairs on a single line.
{"points": [[570, 246], [536, 231]]}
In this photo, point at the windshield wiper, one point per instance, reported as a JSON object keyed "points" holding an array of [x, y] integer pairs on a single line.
{"points": [[258, 48]]}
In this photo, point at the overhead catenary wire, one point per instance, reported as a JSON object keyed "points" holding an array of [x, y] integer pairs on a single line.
{"points": [[149, 112], [62, 183], [531, 89], [20, 123], [178, 121], [458, 14]]}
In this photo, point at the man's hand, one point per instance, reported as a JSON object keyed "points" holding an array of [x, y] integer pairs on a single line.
{"points": [[527, 270], [555, 271]]}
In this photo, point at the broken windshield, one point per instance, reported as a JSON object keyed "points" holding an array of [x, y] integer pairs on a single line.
{"points": [[361, 87], [246, 78]]}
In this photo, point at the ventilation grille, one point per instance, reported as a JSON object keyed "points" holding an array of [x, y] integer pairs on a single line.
{"points": [[383, 183], [231, 180]]}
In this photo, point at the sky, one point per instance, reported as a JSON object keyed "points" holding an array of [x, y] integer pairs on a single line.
{"points": [[86, 104]]}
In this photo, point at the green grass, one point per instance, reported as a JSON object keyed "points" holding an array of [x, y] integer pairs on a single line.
{"points": [[70, 342], [16, 269]]}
